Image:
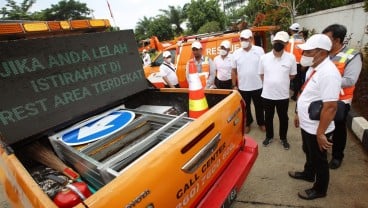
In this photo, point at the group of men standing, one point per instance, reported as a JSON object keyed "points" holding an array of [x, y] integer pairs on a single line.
{"points": [[323, 68]]}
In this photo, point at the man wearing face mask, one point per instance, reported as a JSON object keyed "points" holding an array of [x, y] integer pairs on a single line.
{"points": [[323, 82], [245, 77], [168, 71], [206, 69], [276, 69], [349, 63], [223, 66]]}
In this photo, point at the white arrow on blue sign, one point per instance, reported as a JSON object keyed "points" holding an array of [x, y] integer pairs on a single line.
{"points": [[99, 128]]}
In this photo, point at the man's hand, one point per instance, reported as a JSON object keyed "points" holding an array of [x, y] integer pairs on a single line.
{"points": [[323, 143], [296, 121]]}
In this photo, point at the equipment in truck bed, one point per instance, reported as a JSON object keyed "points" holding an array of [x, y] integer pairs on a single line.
{"points": [[102, 160]]}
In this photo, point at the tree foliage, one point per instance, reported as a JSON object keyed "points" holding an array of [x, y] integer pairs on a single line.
{"points": [[209, 27], [201, 11], [142, 28], [12, 11], [67, 9], [175, 16], [64, 10], [161, 28]]}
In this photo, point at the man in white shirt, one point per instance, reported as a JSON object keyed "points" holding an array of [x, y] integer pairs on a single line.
{"points": [[245, 77], [323, 82], [146, 58], [168, 71], [276, 69], [223, 66]]}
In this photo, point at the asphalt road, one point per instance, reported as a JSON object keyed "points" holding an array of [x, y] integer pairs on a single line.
{"points": [[268, 184]]}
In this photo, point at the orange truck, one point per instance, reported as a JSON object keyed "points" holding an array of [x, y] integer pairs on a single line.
{"points": [[80, 126], [153, 44], [181, 52]]}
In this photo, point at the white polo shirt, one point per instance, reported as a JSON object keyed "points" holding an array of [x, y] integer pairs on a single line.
{"points": [[276, 75], [246, 64], [223, 66], [325, 85], [169, 73]]}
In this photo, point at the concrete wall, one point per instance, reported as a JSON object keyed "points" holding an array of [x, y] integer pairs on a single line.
{"points": [[352, 16]]}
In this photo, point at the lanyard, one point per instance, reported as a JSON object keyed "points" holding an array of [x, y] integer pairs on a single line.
{"points": [[306, 82]]}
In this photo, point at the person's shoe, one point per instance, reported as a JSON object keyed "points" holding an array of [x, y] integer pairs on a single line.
{"points": [[267, 141], [334, 163], [310, 194], [262, 128], [285, 144], [300, 176], [247, 129]]}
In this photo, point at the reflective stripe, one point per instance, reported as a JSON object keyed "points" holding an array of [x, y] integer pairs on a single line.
{"points": [[346, 55], [198, 105], [340, 60]]}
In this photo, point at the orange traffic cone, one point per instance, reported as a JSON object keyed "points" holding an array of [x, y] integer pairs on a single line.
{"points": [[197, 101]]}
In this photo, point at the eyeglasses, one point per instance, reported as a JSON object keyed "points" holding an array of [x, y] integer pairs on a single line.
{"points": [[168, 57], [195, 49]]}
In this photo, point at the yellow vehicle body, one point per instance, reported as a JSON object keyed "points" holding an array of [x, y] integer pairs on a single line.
{"points": [[200, 162]]}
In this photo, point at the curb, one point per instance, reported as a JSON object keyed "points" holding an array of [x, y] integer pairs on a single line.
{"points": [[359, 126]]}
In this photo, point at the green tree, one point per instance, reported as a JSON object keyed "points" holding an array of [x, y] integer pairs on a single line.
{"points": [[291, 5], [209, 27], [67, 9], [141, 29], [318, 5], [161, 28], [176, 16], [201, 11], [12, 11]]}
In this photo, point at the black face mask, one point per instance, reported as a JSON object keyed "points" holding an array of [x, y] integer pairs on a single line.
{"points": [[278, 46]]}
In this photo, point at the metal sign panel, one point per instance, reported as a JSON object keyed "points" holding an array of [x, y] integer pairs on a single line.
{"points": [[46, 82], [98, 129]]}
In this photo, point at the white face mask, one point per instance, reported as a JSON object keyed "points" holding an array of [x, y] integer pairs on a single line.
{"points": [[168, 60], [306, 61], [223, 52], [244, 44]]}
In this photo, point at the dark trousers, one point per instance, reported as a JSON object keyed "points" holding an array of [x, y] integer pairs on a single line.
{"points": [[282, 112], [254, 95], [316, 162], [298, 81], [227, 84], [339, 136]]}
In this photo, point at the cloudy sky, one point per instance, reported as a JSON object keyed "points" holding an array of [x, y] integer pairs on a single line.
{"points": [[126, 12]]}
